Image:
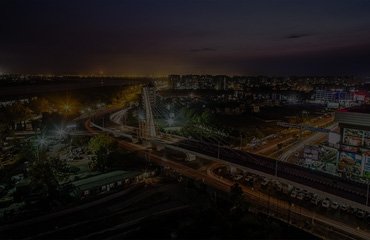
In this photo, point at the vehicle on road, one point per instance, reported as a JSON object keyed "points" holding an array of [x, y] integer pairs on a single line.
{"points": [[325, 203]]}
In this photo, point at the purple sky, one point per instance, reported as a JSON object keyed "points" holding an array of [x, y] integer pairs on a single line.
{"points": [[185, 36]]}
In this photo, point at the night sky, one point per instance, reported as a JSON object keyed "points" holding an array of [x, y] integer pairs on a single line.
{"points": [[159, 37]]}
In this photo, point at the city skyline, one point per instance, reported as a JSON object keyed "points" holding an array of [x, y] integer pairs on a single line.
{"points": [[180, 37]]}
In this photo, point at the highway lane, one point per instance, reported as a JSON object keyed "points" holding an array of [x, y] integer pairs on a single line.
{"points": [[301, 144]]}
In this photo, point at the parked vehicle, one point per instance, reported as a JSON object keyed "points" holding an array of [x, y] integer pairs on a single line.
{"points": [[265, 182], [325, 203], [238, 177], [293, 194], [344, 207], [315, 201], [360, 213], [300, 196], [334, 205]]}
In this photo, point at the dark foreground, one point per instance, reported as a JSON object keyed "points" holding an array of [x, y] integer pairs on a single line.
{"points": [[165, 210]]}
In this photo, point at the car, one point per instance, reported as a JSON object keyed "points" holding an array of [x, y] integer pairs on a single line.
{"points": [[360, 213], [352, 210], [309, 196], [249, 180], [325, 203], [334, 205], [238, 177], [278, 187], [368, 217], [315, 201], [293, 194], [300, 196], [344, 207], [265, 182]]}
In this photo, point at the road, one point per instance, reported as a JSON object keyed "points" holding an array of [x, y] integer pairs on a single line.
{"points": [[307, 141], [270, 147]]}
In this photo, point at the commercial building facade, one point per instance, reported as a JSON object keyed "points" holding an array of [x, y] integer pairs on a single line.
{"points": [[354, 147]]}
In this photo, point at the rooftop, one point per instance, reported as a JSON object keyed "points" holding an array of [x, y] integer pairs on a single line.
{"points": [[358, 109], [103, 179], [358, 116]]}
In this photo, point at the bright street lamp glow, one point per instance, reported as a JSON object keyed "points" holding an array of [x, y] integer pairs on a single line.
{"points": [[41, 141], [67, 107], [170, 121], [60, 132]]}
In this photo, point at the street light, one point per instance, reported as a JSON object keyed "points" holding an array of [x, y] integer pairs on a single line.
{"points": [[67, 107], [276, 167], [40, 142], [60, 132], [170, 121], [367, 193]]}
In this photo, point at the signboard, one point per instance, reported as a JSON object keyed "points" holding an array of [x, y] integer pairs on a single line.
{"points": [[350, 163], [334, 138], [356, 137], [311, 153], [367, 166], [367, 139], [349, 148], [353, 137]]}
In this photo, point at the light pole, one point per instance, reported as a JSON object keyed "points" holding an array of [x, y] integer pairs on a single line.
{"points": [[241, 141], [276, 165], [367, 193], [218, 149]]}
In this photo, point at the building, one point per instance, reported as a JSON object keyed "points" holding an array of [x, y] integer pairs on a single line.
{"points": [[175, 81], [333, 95], [354, 145], [103, 183]]}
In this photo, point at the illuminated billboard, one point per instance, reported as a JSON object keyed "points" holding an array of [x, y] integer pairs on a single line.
{"points": [[367, 139], [367, 166], [353, 137], [350, 163]]}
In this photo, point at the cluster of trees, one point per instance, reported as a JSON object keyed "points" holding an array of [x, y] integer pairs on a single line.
{"points": [[126, 95], [102, 146], [107, 155], [202, 123], [46, 174], [14, 114]]}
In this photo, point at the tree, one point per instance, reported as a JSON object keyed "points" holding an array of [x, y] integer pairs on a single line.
{"points": [[46, 174], [17, 113], [102, 159], [40, 105], [102, 146], [236, 194], [239, 205], [102, 141]]}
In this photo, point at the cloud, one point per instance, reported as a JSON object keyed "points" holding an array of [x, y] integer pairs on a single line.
{"points": [[197, 50], [294, 36]]}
